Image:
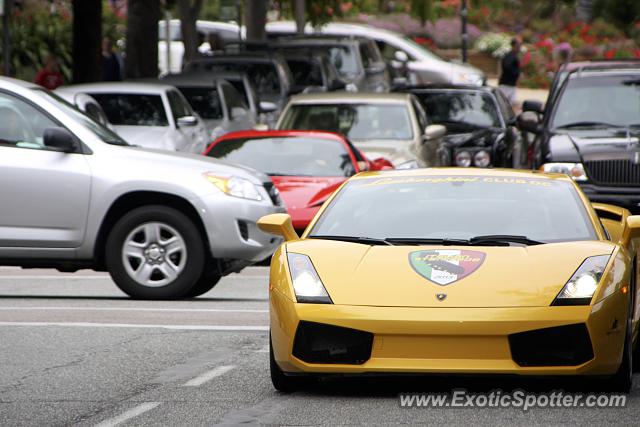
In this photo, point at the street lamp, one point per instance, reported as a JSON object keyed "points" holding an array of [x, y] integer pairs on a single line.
{"points": [[464, 35]]}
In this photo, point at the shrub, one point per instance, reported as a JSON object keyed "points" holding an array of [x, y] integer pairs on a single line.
{"points": [[497, 44]]}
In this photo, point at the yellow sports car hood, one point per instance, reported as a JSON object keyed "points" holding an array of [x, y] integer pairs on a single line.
{"points": [[446, 276]]}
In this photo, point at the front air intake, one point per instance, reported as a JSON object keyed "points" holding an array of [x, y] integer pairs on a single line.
{"points": [[320, 343]]}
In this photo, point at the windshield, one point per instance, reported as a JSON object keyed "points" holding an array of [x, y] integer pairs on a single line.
{"points": [[132, 109], [204, 100], [106, 135], [264, 76], [599, 100], [283, 156], [471, 107], [356, 121], [457, 207]]}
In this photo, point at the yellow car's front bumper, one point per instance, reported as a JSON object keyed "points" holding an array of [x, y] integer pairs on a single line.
{"points": [[449, 340]]}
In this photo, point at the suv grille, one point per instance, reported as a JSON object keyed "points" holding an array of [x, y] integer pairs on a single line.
{"points": [[613, 172], [274, 194]]}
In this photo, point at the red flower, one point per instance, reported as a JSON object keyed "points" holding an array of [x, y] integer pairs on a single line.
{"points": [[610, 54], [526, 59], [636, 53]]}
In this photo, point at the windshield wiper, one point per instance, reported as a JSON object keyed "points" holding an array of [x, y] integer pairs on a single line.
{"points": [[503, 240], [587, 124], [354, 239], [419, 241]]}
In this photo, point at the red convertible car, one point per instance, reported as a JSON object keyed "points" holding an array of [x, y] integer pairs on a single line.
{"points": [[305, 166]]}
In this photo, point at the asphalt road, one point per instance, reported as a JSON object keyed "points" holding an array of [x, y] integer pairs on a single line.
{"points": [[74, 350]]}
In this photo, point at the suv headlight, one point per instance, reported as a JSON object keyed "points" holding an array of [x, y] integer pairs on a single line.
{"points": [[482, 159], [306, 283], [235, 186], [574, 170], [583, 284]]}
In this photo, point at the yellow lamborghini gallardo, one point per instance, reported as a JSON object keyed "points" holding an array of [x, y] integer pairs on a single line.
{"points": [[456, 271]]}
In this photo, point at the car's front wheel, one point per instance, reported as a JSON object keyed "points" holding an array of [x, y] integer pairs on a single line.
{"points": [[155, 252], [280, 381]]}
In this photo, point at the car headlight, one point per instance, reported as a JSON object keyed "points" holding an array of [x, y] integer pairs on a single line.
{"points": [[580, 288], [482, 159], [463, 159], [574, 170], [306, 283], [235, 186]]}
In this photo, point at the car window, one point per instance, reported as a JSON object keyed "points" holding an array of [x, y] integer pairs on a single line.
{"points": [[21, 124], [388, 52], [241, 88], [305, 72], [460, 107], [132, 109], [438, 207], [179, 106], [204, 100], [610, 99], [505, 106], [420, 114], [357, 121], [369, 53], [345, 60], [287, 156], [95, 112], [232, 97]]}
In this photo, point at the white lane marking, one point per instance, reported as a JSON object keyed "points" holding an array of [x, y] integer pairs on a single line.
{"points": [[177, 310], [133, 325], [131, 413], [208, 376]]}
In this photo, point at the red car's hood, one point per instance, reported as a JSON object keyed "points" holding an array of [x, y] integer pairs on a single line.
{"points": [[305, 191]]}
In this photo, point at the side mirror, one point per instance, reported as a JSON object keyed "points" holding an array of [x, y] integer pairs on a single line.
{"points": [[187, 121], [380, 164], [533, 106], [400, 83], [238, 112], [278, 224], [401, 56], [528, 125], [432, 132], [59, 139], [632, 230]]}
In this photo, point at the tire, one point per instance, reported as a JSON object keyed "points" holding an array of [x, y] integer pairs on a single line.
{"points": [[280, 381], [155, 252], [205, 283]]}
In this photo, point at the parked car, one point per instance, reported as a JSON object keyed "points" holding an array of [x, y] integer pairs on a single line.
{"points": [[268, 72], [481, 126], [357, 60], [228, 32], [312, 71], [216, 100], [591, 131], [401, 53], [87, 104], [149, 115], [306, 166], [391, 126], [164, 225]]}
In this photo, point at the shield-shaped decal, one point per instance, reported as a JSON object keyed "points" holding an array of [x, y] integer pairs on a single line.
{"points": [[444, 267]]}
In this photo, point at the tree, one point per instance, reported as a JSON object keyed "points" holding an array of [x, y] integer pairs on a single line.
{"points": [[256, 19], [189, 11], [142, 39], [87, 37], [421, 9]]}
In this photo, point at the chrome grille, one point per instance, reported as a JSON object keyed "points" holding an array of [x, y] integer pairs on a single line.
{"points": [[613, 172]]}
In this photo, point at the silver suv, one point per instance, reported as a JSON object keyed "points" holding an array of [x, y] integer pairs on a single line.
{"points": [[75, 195]]}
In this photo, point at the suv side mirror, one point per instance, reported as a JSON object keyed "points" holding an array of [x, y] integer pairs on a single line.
{"points": [[528, 125], [187, 121], [401, 56], [432, 132], [267, 107], [278, 224], [59, 139], [533, 106]]}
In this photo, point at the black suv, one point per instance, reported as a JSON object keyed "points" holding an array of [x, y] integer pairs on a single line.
{"points": [[590, 130]]}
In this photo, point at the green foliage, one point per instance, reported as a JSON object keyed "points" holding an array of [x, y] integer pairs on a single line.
{"points": [[621, 12], [422, 9]]}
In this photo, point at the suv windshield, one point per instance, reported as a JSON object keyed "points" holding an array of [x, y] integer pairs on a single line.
{"points": [[470, 107], [287, 156], [599, 100], [106, 135], [356, 121], [457, 207]]}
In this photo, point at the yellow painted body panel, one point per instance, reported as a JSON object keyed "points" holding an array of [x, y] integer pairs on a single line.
{"points": [[374, 289]]}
